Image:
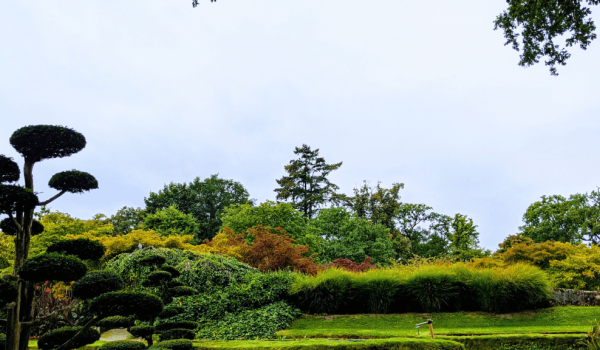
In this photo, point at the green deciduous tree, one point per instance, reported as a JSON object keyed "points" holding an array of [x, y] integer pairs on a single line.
{"points": [[127, 219], [347, 236], [377, 204], [556, 218], [34, 143], [306, 186], [540, 23], [203, 199], [170, 221]]}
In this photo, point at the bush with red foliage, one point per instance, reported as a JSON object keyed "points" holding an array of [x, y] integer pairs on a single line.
{"points": [[350, 265], [276, 251]]}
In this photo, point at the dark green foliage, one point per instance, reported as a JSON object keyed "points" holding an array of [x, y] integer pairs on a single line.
{"points": [[144, 306], [179, 324], [171, 311], [152, 260], [52, 267], [156, 278], [116, 322], [83, 248], [212, 272], [2, 341], [306, 186], [177, 333], [96, 283], [539, 23], [179, 344], [178, 292], [378, 294], [173, 284], [13, 198], [9, 170], [204, 199], [142, 331], [8, 292], [9, 228], [123, 345], [330, 293], [249, 324], [172, 270], [58, 337], [73, 181], [127, 219], [39, 142]]}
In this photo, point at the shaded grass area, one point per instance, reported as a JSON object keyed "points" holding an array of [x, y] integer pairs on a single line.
{"points": [[569, 319], [331, 344], [520, 341], [33, 345]]}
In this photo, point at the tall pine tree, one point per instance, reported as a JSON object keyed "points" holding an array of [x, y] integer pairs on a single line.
{"points": [[306, 186]]}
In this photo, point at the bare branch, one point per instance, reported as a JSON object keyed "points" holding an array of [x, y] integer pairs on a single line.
{"points": [[53, 198]]}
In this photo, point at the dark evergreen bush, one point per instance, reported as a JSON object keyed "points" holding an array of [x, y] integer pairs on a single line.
{"points": [[142, 331], [9, 170], [178, 292], [116, 322], [58, 337], [173, 284], [8, 227], [156, 278], [179, 344], [172, 270], [96, 283], [38, 142], [53, 267], [83, 248], [123, 345], [73, 181], [13, 198], [177, 324], [144, 306], [152, 260], [171, 311], [177, 333]]}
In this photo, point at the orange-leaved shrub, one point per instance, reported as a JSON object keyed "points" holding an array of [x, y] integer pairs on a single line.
{"points": [[350, 265]]}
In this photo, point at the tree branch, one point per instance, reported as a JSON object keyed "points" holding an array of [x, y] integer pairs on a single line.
{"points": [[53, 198], [14, 220]]}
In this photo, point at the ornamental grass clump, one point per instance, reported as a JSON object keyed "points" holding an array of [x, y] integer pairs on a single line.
{"points": [[380, 292], [433, 289], [329, 292]]}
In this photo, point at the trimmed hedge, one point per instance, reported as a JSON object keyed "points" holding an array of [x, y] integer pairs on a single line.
{"points": [[58, 337], [424, 289], [142, 331], [9, 228], [171, 311], [178, 292], [96, 283], [123, 345], [177, 333], [180, 324], [144, 306], [152, 260], [116, 322], [520, 341], [54, 267], [179, 344], [156, 278], [83, 248], [172, 270]]}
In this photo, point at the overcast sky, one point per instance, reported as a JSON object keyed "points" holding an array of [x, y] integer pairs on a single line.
{"points": [[419, 92]]}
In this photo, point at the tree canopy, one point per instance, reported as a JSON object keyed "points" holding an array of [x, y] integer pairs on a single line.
{"points": [[538, 24], [204, 199], [307, 185]]}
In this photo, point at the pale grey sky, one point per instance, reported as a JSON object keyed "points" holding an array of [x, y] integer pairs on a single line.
{"points": [[417, 92]]}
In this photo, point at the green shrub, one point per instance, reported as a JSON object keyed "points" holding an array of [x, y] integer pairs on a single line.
{"points": [[123, 345], [156, 278], [96, 283], [144, 306], [142, 331], [378, 292], [177, 333], [2, 341], [152, 260], [263, 322], [178, 292], [172, 270], [116, 322], [172, 325], [211, 272], [329, 292], [171, 311], [82, 248], [179, 344], [53, 267], [58, 337], [433, 289]]}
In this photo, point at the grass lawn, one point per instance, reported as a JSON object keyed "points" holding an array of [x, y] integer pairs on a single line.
{"points": [[569, 319]]}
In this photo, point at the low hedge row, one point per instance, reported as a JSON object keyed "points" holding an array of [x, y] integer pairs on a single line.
{"points": [[520, 342], [425, 289]]}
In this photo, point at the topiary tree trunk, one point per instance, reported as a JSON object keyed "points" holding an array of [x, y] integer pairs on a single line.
{"points": [[34, 143]]}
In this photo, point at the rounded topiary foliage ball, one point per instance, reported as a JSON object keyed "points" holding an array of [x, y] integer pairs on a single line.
{"points": [[9, 170], [58, 337], [39, 142], [52, 267], [96, 283], [123, 345], [141, 331], [13, 198], [177, 324], [144, 306], [177, 333], [152, 260], [156, 278], [83, 248], [179, 344], [8, 227], [8, 292], [73, 181]]}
